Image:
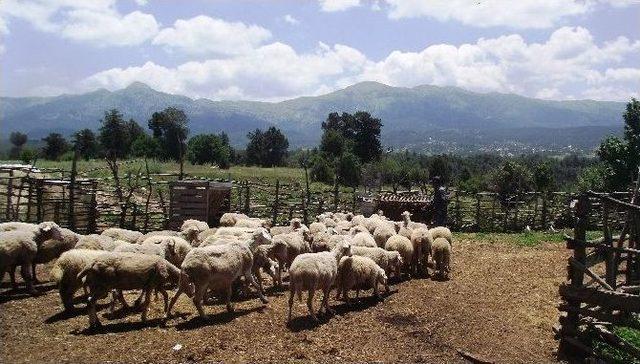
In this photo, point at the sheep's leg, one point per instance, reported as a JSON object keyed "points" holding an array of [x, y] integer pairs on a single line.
{"points": [[12, 276], [138, 300], [34, 276], [26, 275], [198, 297], [249, 277], [93, 316], [172, 302], [279, 274], [345, 295], [229, 305], [165, 297], [145, 304], [312, 291], [325, 301], [123, 302], [291, 294]]}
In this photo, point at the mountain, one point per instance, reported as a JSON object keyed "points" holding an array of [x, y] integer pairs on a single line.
{"points": [[420, 118]]}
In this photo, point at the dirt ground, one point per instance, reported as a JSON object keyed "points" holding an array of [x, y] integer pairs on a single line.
{"points": [[499, 305]]}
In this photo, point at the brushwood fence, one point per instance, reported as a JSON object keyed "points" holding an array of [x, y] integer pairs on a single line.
{"points": [[144, 202]]}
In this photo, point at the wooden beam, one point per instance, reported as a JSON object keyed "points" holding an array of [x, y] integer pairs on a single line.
{"points": [[609, 299], [617, 341], [587, 271]]}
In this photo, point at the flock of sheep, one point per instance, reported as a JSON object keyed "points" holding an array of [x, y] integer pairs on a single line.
{"points": [[339, 251]]}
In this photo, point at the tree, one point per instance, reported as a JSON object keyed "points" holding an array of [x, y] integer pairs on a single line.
{"points": [[621, 157], [267, 149], [18, 140], [145, 146], [28, 155], [135, 131], [114, 135], [321, 170], [169, 127], [543, 177], [333, 144], [86, 143], [361, 133], [348, 170], [440, 166], [510, 179], [55, 146], [209, 148]]}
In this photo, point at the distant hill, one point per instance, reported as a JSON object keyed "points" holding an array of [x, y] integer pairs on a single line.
{"points": [[421, 118]]}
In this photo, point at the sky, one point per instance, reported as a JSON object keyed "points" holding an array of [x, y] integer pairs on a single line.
{"points": [[272, 50]]}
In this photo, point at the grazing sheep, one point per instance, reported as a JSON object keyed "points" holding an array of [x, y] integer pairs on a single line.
{"points": [[311, 271], [217, 267], [262, 261], [20, 248], [360, 273], [382, 233], [98, 242], [53, 248], [321, 242], [252, 223], [65, 272], [317, 227], [205, 234], [442, 232], [230, 218], [441, 251], [403, 246], [364, 239], [422, 240], [390, 261], [126, 271], [157, 233], [192, 223], [129, 236]]}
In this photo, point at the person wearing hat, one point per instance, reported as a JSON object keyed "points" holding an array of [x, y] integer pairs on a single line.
{"points": [[439, 202]]}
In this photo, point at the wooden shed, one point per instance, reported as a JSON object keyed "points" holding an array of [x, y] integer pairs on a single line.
{"points": [[393, 205], [200, 200]]}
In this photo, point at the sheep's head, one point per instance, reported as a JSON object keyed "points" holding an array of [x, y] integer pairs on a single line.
{"points": [[295, 223], [348, 216], [344, 249], [190, 234], [397, 226], [47, 231], [382, 276], [261, 237]]}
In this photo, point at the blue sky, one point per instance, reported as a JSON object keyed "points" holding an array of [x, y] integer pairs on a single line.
{"points": [[278, 49]]}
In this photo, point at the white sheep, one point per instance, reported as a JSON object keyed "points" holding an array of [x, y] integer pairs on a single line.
{"points": [[390, 261], [363, 239], [403, 246], [360, 273], [66, 269], [157, 233], [205, 234], [52, 248], [16, 225], [192, 223], [175, 248], [317, 227], [230, 218], [422, 240], [126, 271], [294, 225], [311, 271], [98, 242], [20, 247], [130, 236], [442, 232], [251, 222], [217, 267], [441, 251], [382, 233]]}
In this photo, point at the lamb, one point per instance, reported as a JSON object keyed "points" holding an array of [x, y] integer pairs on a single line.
{"points": [[230, 218], [442, 232], [66, 269], [217, 267], [403, 246], [364, 239], [403, 227], [192, 223], [130, 236], [422, 240], [390, 261], [20, 247], [311, 271], [360, 273], [125, 271], [441, 251], [98, 242]]}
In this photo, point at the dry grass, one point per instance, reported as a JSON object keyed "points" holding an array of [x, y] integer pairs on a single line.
{"points": [[499, 304]]}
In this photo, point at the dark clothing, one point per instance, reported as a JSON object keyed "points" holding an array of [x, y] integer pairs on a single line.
{"points": [[439, 203]]}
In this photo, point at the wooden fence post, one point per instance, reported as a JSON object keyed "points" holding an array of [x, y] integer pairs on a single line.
{"points": [[39, 200], [335, 196], [355, 199], [72, 192], [582, 209], [610, 267], [276, 202], [92, 224], [247, 198], [478, 211], [305, 214], [9, 195], [544, 211], [29, 199]]}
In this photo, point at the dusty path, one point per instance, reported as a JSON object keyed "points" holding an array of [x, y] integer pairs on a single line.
{"points": [[499, 304]]}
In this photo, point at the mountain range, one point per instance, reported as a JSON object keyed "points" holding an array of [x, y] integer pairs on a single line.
{"points": [[423, 118]]}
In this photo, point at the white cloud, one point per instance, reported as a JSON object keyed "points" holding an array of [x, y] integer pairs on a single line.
{"points": [[142, 2], [569, 64], [96, 21], [206, 35], [290, 19], [338, 5]]}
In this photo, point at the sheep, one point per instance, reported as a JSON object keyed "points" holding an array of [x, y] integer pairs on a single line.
{"points": [[358, 220], [262, 261], [192, 223], [148, 249], [230, 218], [390, 261], [217, 267], [65, 272], [205, 234], [20, 247], [16, 225], [441, 251], [343, 226], [360, 273], [157, 233], [403, 246], [364, 239], [381, 234], [358, 229], [192, 235], [294, 225], [422, 240], [321, 242], [252, 223], [234, 231], [125, 271], [130, 236], [98, 242], [328, 222], [317, 227], [52, 248], [442, 232], [311, 271]]}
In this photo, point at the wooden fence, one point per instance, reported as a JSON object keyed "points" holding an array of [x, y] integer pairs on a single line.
{"points": [[604, 278]]}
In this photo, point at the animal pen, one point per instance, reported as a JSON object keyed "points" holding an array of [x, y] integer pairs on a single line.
{"points": [[603, 276]]}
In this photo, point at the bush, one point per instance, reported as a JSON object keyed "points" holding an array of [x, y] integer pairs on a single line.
{"points": [[28, 155], [321, 171]]}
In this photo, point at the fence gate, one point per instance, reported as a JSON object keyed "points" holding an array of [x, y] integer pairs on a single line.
{"points": [[200, 200]]}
